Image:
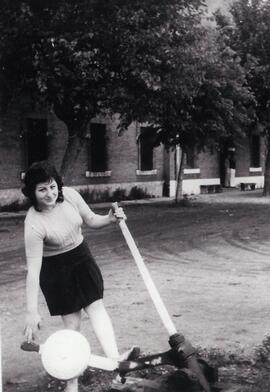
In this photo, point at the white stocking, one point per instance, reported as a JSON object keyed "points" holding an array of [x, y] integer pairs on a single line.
{"points": [[103, 328]]}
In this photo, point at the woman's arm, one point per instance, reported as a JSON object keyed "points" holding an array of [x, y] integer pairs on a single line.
{"points": [[32, 283], [91, 219], [32, 322], [97, 221], [33, 240]]}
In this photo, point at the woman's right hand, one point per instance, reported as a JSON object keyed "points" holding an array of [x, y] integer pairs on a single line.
{"points": [[32, 324]]}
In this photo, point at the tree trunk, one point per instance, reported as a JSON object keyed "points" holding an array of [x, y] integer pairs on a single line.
{"points": [[266, 189], [72, 152], [179, 177]]}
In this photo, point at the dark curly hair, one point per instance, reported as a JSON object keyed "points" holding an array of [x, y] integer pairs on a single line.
{"points": [[38, 172]]}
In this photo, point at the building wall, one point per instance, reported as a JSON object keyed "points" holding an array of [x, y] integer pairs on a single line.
{"points": [[123, 161], [206, 172], [244, 172], [10, 151], [123, 158]]}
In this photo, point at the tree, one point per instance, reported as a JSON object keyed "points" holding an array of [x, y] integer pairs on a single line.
{"points": [[219, 108], [79, 57], [249, 33], [194, 92]]}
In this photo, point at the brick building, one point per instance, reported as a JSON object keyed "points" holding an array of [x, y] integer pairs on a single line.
{"points": [[110, 162]]}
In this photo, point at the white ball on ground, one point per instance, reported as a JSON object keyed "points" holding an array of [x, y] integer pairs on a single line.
{"points": [[65, 354]]}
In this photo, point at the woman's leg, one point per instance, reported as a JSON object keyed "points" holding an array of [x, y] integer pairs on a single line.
{"points": [[72, 321], [103, 328]]}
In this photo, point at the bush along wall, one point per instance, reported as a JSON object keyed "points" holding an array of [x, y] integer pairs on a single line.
{"points": [[90, 196]]}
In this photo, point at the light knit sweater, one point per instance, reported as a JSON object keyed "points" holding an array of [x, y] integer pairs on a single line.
{"points": [[48, 233]]}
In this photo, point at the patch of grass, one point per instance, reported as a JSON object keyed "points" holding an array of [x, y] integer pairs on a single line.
{"points": [[262, 353], [251, 372], [224, 358]]}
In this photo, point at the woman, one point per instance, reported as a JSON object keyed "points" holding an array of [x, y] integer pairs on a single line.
{"points": [[58, 258]]}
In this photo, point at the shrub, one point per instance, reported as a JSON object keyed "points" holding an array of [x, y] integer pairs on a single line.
{"points": [[119, 194], [94, 196], [138, 193], [15, 206]]}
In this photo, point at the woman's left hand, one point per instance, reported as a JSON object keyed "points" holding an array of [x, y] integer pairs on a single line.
{"points": [[117, 214]]}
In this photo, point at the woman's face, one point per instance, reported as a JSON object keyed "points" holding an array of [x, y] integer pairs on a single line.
{"points": [[46, 194]]}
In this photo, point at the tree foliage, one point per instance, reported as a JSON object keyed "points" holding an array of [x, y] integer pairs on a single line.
{"points": [[191, 86], [193, 91], [248, 34]]}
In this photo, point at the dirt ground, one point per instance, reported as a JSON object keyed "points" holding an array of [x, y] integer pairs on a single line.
{"points": [[209, 260]]}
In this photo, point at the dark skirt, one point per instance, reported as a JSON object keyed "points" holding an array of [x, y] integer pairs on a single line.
{"points": [[70, 281]]}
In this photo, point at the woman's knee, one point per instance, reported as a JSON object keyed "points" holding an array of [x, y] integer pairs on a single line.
{"points": [[94, 307], [72, 321]]}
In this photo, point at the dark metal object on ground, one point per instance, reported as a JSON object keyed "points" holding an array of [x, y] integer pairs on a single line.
{"points": [[184, 377], [180, 380]]}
